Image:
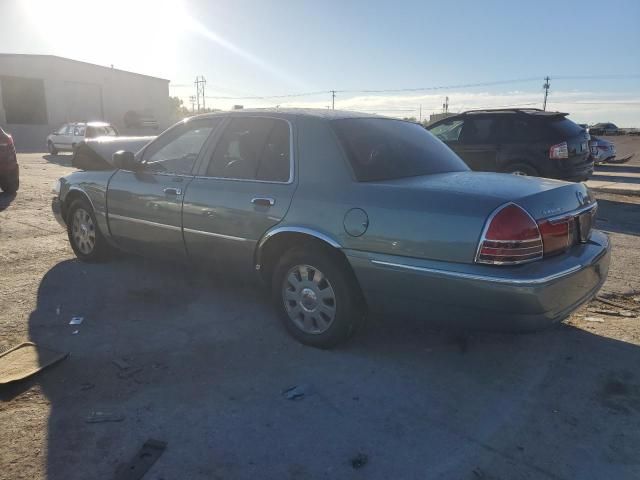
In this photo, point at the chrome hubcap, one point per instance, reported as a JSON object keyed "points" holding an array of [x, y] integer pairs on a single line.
{"points": [[309, 299], [83, 231]]}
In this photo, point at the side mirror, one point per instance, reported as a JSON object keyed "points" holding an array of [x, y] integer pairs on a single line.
{"points": [[125, 161]]}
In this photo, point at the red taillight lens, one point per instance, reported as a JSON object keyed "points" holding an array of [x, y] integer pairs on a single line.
{"points": [[557, 236], [511, 237], [559, 151]]}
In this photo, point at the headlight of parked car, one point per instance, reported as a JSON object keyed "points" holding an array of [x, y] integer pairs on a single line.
{"points": [[56, 187]]}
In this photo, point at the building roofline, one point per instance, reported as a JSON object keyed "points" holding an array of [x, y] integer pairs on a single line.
{"points": [[33, 55]]}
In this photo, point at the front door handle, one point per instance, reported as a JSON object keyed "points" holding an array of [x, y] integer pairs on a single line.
{"points": [[172, 191], [263, 201]]}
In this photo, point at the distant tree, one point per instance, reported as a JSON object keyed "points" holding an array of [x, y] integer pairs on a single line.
{"points": [[177, 110], [410, 119]]}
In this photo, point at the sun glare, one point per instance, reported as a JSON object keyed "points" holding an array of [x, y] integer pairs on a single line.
{"points": [[128, 34]]}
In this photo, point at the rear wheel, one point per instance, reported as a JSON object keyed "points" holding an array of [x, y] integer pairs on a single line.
{"points": [[51, 147], [317, 297], [11, 184], [84, 235], [522, 169]]}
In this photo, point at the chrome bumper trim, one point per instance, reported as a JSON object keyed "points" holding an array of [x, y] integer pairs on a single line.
{"points": [[217, 235], [483, 278], [144, 222]]}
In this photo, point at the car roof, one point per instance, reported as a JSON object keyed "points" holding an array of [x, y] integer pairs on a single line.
{"points": [[526, 111], [323, 113]]}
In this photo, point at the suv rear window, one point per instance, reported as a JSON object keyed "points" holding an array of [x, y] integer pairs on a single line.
{"points": [[384, 149], [565, 127]]}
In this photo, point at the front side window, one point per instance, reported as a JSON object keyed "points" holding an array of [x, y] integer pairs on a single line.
{"points": [[102, 131], [384, 149], [78, 131], [448, 131], [178, 149], [253, 148]]}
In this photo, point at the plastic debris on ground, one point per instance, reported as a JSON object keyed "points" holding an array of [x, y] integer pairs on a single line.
{"points": [[76, 320], [104, 417], [297, 392]]}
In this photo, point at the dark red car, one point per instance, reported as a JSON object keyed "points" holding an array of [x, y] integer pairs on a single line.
{"points": [[9, 171]]}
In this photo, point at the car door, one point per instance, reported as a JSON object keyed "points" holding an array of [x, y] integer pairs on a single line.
{"points": [[78, 134], [244, 188], [477, 146], [145, 207], [63, 138]]}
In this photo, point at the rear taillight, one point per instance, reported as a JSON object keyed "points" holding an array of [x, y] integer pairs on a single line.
{"points": [[559, 151], [6, 141], [510, 237], [557, 235]]}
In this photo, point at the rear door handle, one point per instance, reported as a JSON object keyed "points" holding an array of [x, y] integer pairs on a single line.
{"points": [[172, 191], [263, 201]]}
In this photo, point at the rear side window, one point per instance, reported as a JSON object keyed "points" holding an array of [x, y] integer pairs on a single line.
{"points": [[478, 130], [565, 127], [384, 149], [253, 148]]}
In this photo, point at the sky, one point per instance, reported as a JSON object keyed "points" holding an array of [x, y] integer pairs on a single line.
{"points": [[412, 54]]}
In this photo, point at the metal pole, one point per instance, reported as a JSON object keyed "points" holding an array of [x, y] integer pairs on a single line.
{"points": [[546, 92]]}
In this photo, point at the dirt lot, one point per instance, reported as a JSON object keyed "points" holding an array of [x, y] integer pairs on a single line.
{"points": [[209, 361]]}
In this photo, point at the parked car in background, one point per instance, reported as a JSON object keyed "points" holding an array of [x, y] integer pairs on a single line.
{"points": [[342, 213], [71, 134], [604, 129], [602, 150], [9, 169], [521, 141]]}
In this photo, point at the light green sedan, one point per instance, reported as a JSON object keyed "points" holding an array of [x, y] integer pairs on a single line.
{"points": [[343, 214]]}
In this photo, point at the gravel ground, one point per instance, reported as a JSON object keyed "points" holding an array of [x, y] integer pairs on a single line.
{"points": [[208, 362]]}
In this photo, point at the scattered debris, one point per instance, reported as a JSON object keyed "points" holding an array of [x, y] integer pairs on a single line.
{"points": [[359, 461], [594, 319], [75, 332], [76, 320], [142, 462], [608, 312], [25, 360], [609, 302], [103, 417], [296, 392], [130, 373], [121, 363]]}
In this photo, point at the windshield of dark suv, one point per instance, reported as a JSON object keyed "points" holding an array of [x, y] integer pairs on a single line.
{"points": [[384, 149]]}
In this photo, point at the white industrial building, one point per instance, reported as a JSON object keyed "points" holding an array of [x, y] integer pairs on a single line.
{"points": [[38, 93]]}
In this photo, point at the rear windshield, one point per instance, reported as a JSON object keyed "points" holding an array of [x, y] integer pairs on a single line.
{"points": [[384, 149], [102, 131], [566, 127]]}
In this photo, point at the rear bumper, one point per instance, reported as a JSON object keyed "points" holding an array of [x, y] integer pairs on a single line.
{"points": [[524, 297], [8, 168]]}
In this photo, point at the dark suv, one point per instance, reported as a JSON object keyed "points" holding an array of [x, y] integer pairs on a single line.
{"points": [[9, 171], [520, 141]]}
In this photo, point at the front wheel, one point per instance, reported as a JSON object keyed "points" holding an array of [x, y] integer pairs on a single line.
{"points": [[84, 235], [52, 149], [11, 184], [317, 297]]}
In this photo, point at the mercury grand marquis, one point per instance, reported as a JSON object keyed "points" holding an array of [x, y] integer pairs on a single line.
{"points": [[341, 214]]}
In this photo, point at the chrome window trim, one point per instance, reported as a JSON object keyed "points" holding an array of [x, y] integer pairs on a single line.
{"points": [[291, 159], [144, 222], [217, 235], [484, 278], [485, 229]]}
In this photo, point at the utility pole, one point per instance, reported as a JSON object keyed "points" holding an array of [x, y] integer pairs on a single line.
{"points": [[333, 99], [546, 91], [192, 100], [420, 113], [200, 84]]}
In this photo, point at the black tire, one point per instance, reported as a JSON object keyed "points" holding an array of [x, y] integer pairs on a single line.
{"points": [[11, 184], [80, 236], [522, 169], [52, 149], [348, 306]]}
